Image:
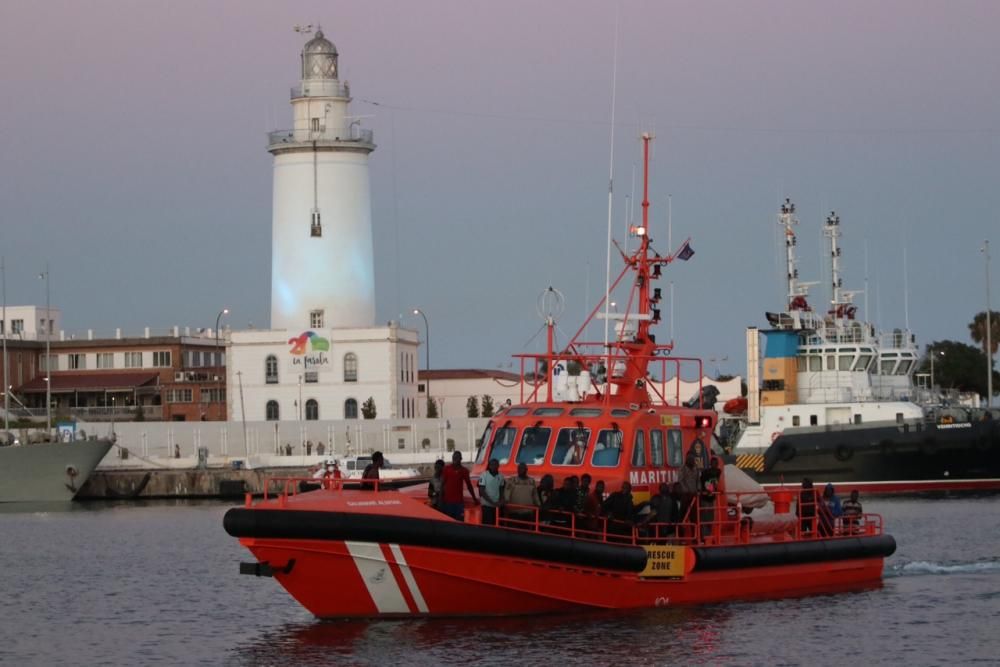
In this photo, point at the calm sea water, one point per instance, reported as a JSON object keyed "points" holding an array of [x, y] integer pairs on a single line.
{"points": [[157, 584]]}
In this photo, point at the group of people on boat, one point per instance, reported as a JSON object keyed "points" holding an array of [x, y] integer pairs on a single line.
{"points": [[579, 501], [820, 514]]}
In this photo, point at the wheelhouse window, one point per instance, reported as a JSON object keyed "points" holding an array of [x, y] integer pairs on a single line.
{"points": [[271, 369], [639, 450], [350, 367], [312, 410], [656, 448], [484, 443], [271, 412], [608, 449], [503, 443], [585, 412], [571, 446], [350, 409], [675, 448], [534, 443], [815, 363]]}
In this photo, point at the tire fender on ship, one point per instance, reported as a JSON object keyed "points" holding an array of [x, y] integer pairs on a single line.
{"points": [[843, 453], [786, 453]]}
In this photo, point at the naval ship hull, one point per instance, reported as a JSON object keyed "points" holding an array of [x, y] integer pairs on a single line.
{"points": [[48, 472], [897, 459]]}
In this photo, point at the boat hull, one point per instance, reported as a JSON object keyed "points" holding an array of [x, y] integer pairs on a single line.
{"points": [[902, 459], [365, 579], [368, 565], [48, 472]]}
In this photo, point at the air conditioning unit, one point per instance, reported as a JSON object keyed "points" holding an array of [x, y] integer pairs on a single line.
{"points": [[179, 377]]}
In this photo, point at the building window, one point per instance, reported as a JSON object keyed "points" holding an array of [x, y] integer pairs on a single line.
{"points": [[44, 362], [316, 228], [316, 319], [813, 420], [161, 359], [312, 377], [312, 410], [105, 360], [795, 420], [420, 388], [16, 326], [77, 362], [214, 395], [133, 360], [314, 123], [351, 368], [271, 369], [350, 409], [180, 396], [271, 411]]}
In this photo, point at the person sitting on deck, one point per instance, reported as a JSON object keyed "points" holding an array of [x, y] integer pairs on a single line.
{"points": [[665, 512], [852, 512], [563, 501], [806, 509], [521, 492], [592, 505], [452, 494], [582, 492], [621, 510]]}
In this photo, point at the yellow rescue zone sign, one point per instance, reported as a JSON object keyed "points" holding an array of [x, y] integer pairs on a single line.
{"points": [[663, 561]]}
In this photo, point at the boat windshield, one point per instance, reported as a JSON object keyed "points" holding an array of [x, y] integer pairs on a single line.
{"points": [[571, 446], [484, 443], [608, 450], [503, 444], [534, 442]]}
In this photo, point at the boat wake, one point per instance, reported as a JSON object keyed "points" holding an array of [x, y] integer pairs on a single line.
{"points": [[923, 567]]}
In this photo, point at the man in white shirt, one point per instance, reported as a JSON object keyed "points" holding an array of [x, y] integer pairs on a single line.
{"points": [[491, 492]]}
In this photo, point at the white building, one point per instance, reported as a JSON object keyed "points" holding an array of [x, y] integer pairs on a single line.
{"points": [[323, 357], [30, 322]]}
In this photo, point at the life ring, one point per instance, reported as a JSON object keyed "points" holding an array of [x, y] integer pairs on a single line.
{"points": [[843, 453], [774, 436], [786, 453]]}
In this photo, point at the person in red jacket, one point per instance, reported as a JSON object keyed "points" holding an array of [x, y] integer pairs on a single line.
{"points": [[452, 495]]}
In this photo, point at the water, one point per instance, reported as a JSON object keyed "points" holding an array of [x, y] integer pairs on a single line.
{"points": [[157, 584]]}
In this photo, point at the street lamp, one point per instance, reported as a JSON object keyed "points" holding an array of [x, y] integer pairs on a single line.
{"points": [[427, 352], [989, 346], [47, 324], [218, 357], [933, 354]]}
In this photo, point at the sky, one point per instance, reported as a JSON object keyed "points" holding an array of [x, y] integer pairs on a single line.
{"points": [[134, 158]]}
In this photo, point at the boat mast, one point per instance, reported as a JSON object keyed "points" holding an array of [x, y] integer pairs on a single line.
{"points": [[841, 300], [788, 220]]}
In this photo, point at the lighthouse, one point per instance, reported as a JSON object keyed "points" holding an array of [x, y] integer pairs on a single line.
{"points": [[322, 259]]}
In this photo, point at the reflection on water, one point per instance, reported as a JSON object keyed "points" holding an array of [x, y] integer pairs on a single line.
{"points": [[127, 583]]}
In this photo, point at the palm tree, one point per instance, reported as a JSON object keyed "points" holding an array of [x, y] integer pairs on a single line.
{"points": [[977, 329]]}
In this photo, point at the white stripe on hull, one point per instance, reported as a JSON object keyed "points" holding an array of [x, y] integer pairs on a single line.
{"points": [[411, 583], [378, 578]]}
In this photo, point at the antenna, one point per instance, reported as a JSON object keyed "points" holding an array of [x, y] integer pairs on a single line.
{"points": [[866, 281], [906, 291], [611, 188]]}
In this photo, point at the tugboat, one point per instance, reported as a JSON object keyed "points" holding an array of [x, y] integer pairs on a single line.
{"points": [[837, 402], [608, 410]]}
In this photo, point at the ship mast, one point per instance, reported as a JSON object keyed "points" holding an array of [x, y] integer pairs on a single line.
{"points": [[797, 292], [841, 300]]}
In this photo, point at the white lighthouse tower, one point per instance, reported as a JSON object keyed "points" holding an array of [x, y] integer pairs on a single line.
{"points": [[322, 259]]}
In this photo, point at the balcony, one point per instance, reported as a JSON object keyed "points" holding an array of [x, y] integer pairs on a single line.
{"points": [[321, 89], [347, 137]]}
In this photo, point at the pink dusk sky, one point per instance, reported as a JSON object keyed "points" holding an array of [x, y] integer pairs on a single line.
{"points": [[134, 156]]}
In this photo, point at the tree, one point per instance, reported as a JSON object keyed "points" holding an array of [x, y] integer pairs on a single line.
{"points": [[487, 405], [368, 408], [957, 366], [472, 407], [977, 330], [432, 408]]}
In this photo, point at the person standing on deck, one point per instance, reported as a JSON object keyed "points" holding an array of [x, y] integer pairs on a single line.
{"points": [[373, 468], [491, 485], [452, 495]]}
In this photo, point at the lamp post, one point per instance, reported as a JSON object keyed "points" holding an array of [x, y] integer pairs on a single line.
{"points": [[218, 357], [989, 346], [47, 324], [427, 352], [933, 354]]}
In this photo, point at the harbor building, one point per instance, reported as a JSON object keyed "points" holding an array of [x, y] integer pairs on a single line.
{"points": [[323, 357]]}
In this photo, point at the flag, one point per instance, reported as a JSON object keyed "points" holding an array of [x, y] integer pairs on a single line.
{"points": [[686, 252]]}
